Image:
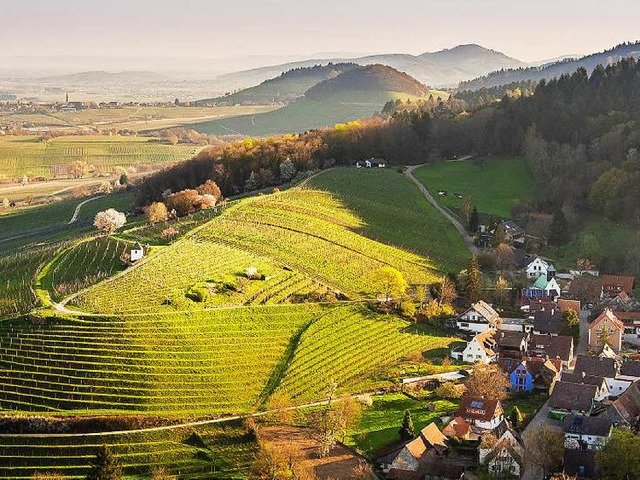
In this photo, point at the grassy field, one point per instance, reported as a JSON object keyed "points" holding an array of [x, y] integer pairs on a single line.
{"points": [[201, 452], [300, 240], [494, 186], [380, 424], [27, 156], [394, 211], [302, 115]]}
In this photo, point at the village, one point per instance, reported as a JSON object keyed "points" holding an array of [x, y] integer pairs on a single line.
{"points": [[570, 347]]}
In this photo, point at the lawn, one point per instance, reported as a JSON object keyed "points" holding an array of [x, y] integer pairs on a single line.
{"points": [[394, 211], [378, 428], [495, 185]]}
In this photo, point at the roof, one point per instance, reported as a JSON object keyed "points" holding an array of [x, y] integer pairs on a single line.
{"points": [[496, 450], [580, 463], [579, 425], [607, 315], [547, 321], [544, 262], [626, 408], [583, 378], [573, 396], [544, 303], [508, 365], [486, 310], [628, 317], [396, 474], [487, 342], [457, 427], [559, 346], [630, 368], [618, 282], [541, 282], [432, 435], [478, 408], [445, 470], [565, 304], [508, 339], [596, 366]]}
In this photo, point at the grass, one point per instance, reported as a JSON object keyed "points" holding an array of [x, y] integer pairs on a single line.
{"points": [[394, 211], [27, 156], [189, 453], [303, 115], [494, 186], [379, 426]]}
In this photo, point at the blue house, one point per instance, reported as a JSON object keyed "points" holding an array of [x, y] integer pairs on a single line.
{"points": [[521, 379], [531, 373]]}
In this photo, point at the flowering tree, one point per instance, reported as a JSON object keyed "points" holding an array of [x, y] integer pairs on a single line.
{"points": [[109, 221]]}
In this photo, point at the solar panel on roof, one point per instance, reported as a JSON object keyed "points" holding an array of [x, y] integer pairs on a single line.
{"points": [[477, 404]]}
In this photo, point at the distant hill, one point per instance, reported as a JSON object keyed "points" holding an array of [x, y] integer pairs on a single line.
{"points": [[556, 69], [99, 76], [356, 93], [286, 87], [443, 68]]}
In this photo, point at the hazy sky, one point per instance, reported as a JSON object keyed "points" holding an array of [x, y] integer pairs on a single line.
{"points": [[528, 30]]}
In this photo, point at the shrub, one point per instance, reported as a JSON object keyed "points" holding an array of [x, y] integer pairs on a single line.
{"points": [[110, 220], [198, 293], [449, 390], [183, 202], [156, 212]]}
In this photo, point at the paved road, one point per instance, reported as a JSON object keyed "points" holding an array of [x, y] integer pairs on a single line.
{"points": [[531, 471], [463, 231], [583, 343]]}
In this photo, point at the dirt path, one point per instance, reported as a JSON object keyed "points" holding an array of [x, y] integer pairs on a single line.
{"points": [[463, 232], [74, 218]]}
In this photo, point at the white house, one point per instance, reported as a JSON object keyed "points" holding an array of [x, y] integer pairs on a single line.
{"points": [[482, 348], [505, 456], [539, 267], [482, 413], [478, 318], [586, 433], [136, 253]]}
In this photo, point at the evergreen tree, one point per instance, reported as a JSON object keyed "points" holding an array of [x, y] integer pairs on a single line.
{"points": [[559, 230], [516, 417], [499, 234], [474, 220], [106, 466], [473, 288], [407, 432]]}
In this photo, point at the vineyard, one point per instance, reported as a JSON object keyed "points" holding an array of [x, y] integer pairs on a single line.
{"points": [[299, 241], [191, 453], [27, 156]]}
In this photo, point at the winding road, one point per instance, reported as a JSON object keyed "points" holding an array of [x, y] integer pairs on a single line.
{"points": [[76, 213], [463, 231]]}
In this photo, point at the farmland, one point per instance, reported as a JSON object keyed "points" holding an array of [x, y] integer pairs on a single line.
{"points": [[494, 186], [27, 156]]}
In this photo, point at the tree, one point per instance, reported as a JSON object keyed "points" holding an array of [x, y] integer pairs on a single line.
{"points": [[210, 188], [390, 283], [280, 404], [106, 466], [559, 230], [499, 234], [619, 459], [446, 291], [502, 289], [156, 212], [571, 324], [544, 447], [161, 473], [109, 220], [604, 337], [78, 168], [465, 210], [516, 417], [474, 220], [407, 431], [505, 258], [449, 390], [183, 202], [487, 381], [287, 170], [473, 287], [590, 248], [251, 183]]}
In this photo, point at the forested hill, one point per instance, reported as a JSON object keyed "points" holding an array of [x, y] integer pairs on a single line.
{"points": [[547, 72], [282, 89], [369, 78]]}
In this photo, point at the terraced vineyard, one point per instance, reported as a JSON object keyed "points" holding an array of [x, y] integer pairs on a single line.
{"points": [[191, 453], [26, 155]]}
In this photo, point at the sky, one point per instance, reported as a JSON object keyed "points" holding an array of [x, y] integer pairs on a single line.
{"points": [[527, 30]]}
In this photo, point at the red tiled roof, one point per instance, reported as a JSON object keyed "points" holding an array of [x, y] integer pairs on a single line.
{"points": [[607, 315], [618, 282], [477, 408]]}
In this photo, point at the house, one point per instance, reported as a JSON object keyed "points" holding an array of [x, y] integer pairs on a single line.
{"points": [[586, 433], [442, 470], [580, 463], [625, 410], [612, 285], [481, 413], [539, 267], [458, 428], [565, 304], [413, 455], [502, 452], [516, 325], [548, 322], [630, 370], [482, 348], [136, 253], [631, 322], [600, 383], [512, 344], [533, 374], [572, 398], [543, 287], [552, 347], [515, 233], [479, 317], [607, 328]]}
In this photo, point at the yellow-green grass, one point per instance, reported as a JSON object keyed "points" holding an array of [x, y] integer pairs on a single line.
{"points": [[299, 239], [27, 156], [393, 210], [189, 453], [304, 114], [495, 186]]}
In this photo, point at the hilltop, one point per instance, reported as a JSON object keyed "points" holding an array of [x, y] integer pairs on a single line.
{"points": [[555, 69], [442, 68], [284, 88], [357, 93]]}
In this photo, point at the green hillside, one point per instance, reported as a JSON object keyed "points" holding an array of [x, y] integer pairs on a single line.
{"points": [[282, 89], [356, 94]]}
